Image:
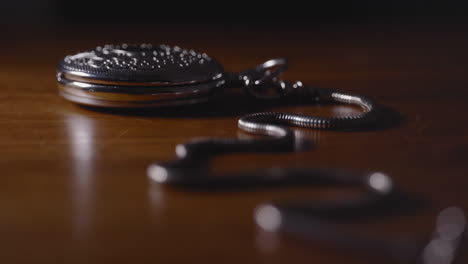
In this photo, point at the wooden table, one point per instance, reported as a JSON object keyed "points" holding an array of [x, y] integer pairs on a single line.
{"points": [[74, 185]]}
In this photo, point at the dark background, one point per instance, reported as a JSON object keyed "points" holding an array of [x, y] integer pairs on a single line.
{"points": [[243, 13]]}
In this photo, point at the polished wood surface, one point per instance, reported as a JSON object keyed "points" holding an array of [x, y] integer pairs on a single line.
{"points": [[74, 186]]}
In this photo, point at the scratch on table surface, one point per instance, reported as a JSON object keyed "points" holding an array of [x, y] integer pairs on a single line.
{"points": [[116, 138], [121, 134]]}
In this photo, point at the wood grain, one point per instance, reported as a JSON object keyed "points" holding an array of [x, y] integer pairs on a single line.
{"points": [[74, 186]]}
